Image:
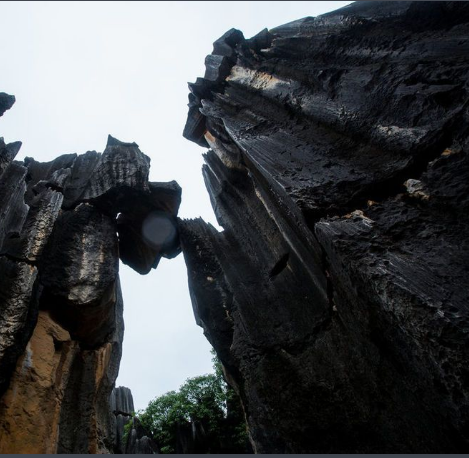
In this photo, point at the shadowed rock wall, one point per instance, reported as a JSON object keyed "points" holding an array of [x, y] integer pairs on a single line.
{"points": [[64, 225], [336, 297]]}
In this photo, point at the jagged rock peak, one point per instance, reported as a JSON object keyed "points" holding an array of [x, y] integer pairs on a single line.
{"points": [[111, 141], [6, 102]]}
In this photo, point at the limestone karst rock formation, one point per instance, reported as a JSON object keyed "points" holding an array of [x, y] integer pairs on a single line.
{"points": [[136, 440], [64, 225], [337, 294]]}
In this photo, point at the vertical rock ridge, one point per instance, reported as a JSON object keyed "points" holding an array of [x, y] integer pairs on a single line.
{"points": [[133, 438], [337, 168], [61, 324]]}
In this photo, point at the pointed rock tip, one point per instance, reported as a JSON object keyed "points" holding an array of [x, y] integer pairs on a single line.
{"points": [[6, 102], [15, 146], [112, 141]]}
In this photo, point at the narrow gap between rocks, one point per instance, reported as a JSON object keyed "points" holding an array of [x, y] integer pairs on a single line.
{"points": [[158, 303]]}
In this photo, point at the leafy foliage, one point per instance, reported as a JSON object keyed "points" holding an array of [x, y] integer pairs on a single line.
{"points": [[206, 401], [127, 429]]}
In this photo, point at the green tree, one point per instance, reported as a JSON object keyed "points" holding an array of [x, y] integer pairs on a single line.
{"points": [[206, 401]]}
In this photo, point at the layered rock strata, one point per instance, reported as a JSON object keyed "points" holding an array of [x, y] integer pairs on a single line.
{"points": [[64, 225], [336, 296]]}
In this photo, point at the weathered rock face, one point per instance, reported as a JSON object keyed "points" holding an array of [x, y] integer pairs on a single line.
{"points": [[138, 441], [135, 440], [336, 297], [63, 226], [122, 406], [6, 102]]}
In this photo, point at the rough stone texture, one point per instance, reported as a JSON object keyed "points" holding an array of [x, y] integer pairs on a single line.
{"points": [[30, 409], [86, 422], [18, 313], [7, 153], [6, 102], [119, 441], [336, 296], [122, 407], [61, 326], [136, 440], [148, 227], [122, 401], [82, 294]]}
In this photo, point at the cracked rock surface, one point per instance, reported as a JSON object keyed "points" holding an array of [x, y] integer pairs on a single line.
{"points": [[336, 297], [64, 225]]}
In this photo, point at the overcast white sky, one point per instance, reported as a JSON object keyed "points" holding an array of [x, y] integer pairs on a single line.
{"points": [[83, 70]]}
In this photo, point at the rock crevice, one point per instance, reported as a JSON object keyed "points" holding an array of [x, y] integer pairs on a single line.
{"points": [[336, 295]]}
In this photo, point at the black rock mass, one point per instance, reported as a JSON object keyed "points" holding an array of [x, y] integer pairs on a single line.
{"points": [[337, 294]]}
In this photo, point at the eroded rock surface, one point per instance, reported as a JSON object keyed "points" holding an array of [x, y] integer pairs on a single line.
{"points": [[63, 226], [122, 407], [6, 102], [31, 406], [336, 297], [131, 437], [138, 441]]}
